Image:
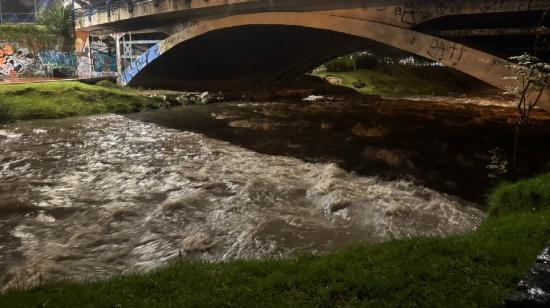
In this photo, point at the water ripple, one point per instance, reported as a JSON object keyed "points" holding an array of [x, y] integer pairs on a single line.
{"points": [[106, 194]]}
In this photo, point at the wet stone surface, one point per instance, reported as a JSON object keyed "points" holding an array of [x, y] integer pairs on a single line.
{"points": [[534, 289]]}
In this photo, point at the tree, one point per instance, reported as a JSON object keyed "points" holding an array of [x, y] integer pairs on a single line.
{"points": [[532, 76], [58, 18]]}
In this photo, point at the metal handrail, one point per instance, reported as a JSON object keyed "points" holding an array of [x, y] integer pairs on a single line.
{"points": [[17, 18], [114, 5]]}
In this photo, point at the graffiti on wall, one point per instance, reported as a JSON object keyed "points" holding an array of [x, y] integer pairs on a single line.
{"points": [[414, 12], [58, 59], [83, 54], [13, 60], [137, 65], [80, 42], [93, 57], [90, 59], [104, 62]]}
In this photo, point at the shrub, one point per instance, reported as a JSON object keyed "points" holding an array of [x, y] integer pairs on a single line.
{"points": [[30, 35], [4, 114], [108, 84], [367, 62], [524, 196], [342, 64], [57, 18]]}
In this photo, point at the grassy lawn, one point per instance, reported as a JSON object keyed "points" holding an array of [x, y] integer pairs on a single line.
{"points": [[63, 99], [400, 81], [475, 270], [28, 36]]}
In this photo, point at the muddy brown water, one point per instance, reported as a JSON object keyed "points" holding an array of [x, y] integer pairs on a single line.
{"points": [[99, 195]]}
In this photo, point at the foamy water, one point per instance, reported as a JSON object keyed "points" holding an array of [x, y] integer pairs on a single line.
{"points": [[101, 195]]}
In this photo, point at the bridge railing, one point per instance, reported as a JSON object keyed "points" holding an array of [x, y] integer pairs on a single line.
{"points": [[17, 18], [109, 6]]}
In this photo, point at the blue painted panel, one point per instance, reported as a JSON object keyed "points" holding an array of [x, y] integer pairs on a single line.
{"points": [[138, 64], [104, 62], [57, 59]]}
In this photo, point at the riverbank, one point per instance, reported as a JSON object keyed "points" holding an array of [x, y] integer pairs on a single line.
{"points": [[478, 269], [61, 99], [397, 81], [99, 195], [53, 100]]}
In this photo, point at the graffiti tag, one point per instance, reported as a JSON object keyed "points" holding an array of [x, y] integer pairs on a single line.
{"points": [[14, 61], [442, 50], [57, 59], [150, 55]]}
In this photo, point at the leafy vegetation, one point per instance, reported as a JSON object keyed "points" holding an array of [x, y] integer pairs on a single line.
{"points": [[63, 99], [474, 270], [36, 36], [342, 64], [532, 195], [367, 62], [400, 81], [58, 19], [108, 84], [532, 76]]}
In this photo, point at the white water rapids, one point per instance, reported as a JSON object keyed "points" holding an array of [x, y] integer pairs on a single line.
{"points": [[106, 194]]}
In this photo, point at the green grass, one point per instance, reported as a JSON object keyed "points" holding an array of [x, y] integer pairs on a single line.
{"points": [[475, 270], [29, 36], [401, 81], [64, 99], [530, 195]]}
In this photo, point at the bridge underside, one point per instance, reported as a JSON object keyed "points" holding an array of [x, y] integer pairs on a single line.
{"points": [[252, 56], [267, 49]]}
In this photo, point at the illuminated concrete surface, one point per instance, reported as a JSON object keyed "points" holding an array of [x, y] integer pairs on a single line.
{"points": [[264, 42]]}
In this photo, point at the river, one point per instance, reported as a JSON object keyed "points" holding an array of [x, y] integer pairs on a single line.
{"points": [[98, 195]]}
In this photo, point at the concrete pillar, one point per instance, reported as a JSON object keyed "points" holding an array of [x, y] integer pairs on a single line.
{"points": [[117, 37], [91, 55]]}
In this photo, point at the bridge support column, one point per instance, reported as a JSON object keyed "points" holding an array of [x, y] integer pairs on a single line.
{"points": [[117, 37]]}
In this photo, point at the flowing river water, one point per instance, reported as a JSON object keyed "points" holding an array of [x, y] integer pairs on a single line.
{"points": [[93, 196]]}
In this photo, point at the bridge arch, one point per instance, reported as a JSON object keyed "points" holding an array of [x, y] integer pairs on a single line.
{"points": [[473, 62]]}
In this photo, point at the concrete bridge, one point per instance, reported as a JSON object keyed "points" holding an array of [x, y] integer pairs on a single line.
{"points": [[266, 42]]}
